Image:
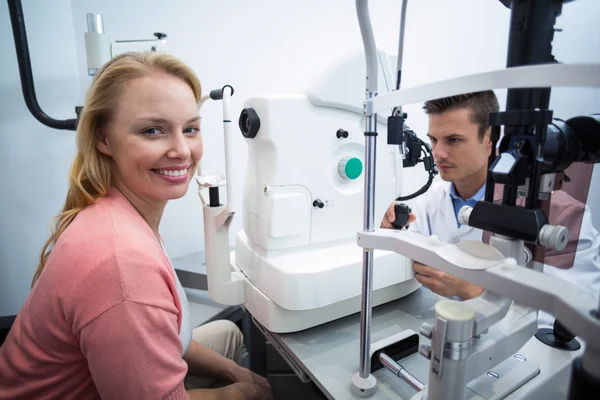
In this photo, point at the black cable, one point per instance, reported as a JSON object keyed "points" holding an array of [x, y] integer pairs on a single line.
{"points": [[427, 161], [22, 48]]}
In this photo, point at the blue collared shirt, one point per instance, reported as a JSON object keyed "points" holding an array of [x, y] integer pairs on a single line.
{"points": [[459, 202]]}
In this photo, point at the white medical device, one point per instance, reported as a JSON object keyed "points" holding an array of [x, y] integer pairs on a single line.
{"points": [[296, 263]]}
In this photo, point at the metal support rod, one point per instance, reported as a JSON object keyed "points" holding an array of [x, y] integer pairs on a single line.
{"points": [[401, 372], [368, 226], [95, 23], [398, 109], [366, 314], [401, 45], [370, 162], [362, 9], [227, 137]]}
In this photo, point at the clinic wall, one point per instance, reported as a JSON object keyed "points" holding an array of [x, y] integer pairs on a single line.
{"points": [[34, 159], [271, 47]]}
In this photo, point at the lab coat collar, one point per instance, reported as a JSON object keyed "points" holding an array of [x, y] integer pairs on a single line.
{"points": [[477, 196], [447, 210]]}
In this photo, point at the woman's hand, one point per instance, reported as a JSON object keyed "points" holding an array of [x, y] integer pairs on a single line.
{"points": [[242, 391], [244, 375], [236, 391]]}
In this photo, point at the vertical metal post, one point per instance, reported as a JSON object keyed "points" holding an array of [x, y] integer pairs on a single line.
{"points": [[95, 23], [363, 383], [368, 226]]}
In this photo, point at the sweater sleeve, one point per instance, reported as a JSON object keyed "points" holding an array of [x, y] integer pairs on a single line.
{"points": [[134, 352]]}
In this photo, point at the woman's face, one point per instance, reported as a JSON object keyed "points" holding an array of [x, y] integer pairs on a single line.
{"points": [[154, 137]]}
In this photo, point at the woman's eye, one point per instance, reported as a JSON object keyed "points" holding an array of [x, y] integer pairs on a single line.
{"points": [[151, 131], [192, 129]]}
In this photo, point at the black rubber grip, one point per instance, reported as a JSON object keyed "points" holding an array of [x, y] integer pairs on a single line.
{"points": [[213, 196], [401, 211], [217, 94]]}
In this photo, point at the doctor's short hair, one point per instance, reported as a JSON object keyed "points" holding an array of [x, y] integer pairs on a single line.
{"points": [[480, 103]]}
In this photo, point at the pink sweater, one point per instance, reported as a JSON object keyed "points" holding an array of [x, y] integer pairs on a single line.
{"points": [[103, 320]]}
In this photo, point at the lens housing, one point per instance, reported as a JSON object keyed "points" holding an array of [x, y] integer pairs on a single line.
{"points": [[249, 123]]}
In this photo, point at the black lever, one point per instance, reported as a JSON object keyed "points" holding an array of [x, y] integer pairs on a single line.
{"points": [[401, 211]]}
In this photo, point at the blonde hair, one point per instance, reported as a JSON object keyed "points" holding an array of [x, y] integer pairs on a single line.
{"points": [[90, 175]]}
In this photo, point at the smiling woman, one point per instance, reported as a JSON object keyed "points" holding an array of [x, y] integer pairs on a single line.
{"points": [[107, 317], [154, 140]]}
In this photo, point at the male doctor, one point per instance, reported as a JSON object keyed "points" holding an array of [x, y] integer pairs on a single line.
{"points": [[461, 145]]}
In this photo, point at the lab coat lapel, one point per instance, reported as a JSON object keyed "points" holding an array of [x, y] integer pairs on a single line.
{"points": [[454, 232], [447, 215]]}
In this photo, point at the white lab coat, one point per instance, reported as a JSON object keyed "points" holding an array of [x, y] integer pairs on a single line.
{"points": [[435, 216]]}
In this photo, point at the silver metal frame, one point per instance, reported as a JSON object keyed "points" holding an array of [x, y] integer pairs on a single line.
{"points": [[369, 186]]}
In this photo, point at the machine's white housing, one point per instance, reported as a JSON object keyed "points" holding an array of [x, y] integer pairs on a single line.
{"points": [[299, 264]]}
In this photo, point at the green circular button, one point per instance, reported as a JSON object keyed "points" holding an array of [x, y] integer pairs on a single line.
{"points": [[353, 168]]}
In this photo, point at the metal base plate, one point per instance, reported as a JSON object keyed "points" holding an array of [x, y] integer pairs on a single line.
{"points": [[504, 379]]}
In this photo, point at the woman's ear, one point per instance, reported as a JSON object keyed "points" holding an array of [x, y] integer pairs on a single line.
{"points": [[102, 143]]}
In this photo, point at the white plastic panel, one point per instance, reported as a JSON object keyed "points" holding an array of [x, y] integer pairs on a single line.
{"points": [[280, 320], [289, 209], [316, 276], [297, 145]]}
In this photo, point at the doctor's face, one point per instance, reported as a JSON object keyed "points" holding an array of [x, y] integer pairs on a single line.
{"points": [[153, 138], [459, 153]]}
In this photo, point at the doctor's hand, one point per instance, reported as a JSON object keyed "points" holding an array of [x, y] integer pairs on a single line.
{"points": [[390, 216], [444, 284]]}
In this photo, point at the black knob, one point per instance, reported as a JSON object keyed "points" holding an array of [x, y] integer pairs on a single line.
{"points": [[341, 134], [561, 333], [160, 35], [318, 203]]}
